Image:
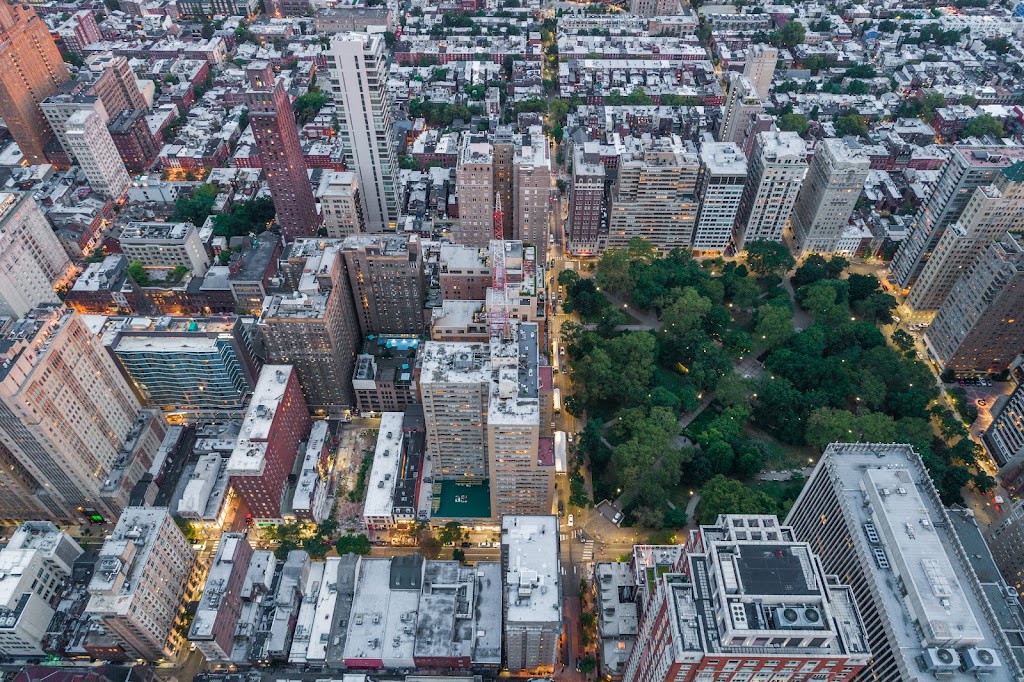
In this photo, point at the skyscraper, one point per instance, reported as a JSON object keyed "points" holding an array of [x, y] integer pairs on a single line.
{"points": [[475, 191], [533, 592], [1006, 541], [503, 148], [979, 327], [654, 196], [316, 330], [277, 139], [586, 228], [760, 68], [69, 418], [31, 69], [386, 276], [777, 169], [341, 203], [115, 83], [872, 514], [276, 421], [771, 611], [723, 175], [966, 169], [1004, 440], [827, 198], [89, 142], [531, 180], [32, 261], [140, 578], [990, 212], [742, 105], [358, 74]]}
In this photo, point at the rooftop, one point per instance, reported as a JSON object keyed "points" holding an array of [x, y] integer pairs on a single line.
{"points": [[532, 582], [887, 492], [723, 158], [782, 146], [141, 232], [247, 459], [217, 580], [123, 559], [380, 486]]}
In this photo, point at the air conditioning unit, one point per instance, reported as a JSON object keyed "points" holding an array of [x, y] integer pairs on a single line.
{"points": [[941, 660], [981, 660], [797, 618]]}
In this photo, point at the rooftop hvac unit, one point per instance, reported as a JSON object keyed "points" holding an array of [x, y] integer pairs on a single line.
{"points": [[797, 617], [941, 660], [981, 660]]}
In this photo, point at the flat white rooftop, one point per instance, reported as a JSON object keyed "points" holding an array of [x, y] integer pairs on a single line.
{"points": [[532, 580], [248, 456]]}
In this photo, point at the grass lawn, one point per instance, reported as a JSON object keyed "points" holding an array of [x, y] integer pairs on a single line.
{"points": [[785, 456]]}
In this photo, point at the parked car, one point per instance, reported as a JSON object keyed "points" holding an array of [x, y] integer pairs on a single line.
{"points": [[570, 521], [617, 519]]}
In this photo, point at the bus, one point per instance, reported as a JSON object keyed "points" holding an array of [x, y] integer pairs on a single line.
{"points": [[557, 394]]}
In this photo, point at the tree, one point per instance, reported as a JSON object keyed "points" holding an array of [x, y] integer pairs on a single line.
{"points": [[790, 35], [861, 286], [725, 496], [685, 313], [745, 292], [877, 307], [734, 389], [774, 325], [458, 555], [588, 664], [983, 125], [451, 533], [137, 271], [796, 123], [999, 45], [196, 208], [905, 342], [355, 544], [568, 278], [769, 258], [851, 124]]}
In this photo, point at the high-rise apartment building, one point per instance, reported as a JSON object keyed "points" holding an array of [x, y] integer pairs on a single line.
{"points": [[455, 389], [201, 366], [966, 169], [829, 194], [1004, 440], [991, 211], [276, 421], [340, 203], [533, 593], [358, 74], [979, 326], [531, 189], [475, 191], [59, 108], [522, 481], [277, 140], [316, 330], [741, 108], [165, 245], [748, 602], [872, 514], [32, 261], [760, 68], [34, 568], [140, 578], [503, 148], [1006, 541], [481, 403], [114, 83], [87, 140], [654, 8], [68, 419], [220, 607], [134, 140], [586, 228], [777, 169], [654, 196], [385, 273], [723, 175], [31, 69], [79, 30]]}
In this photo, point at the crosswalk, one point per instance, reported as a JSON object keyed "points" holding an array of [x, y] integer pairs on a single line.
{"points": [[588, 551]]}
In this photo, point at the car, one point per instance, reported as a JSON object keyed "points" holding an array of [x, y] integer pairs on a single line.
{"points": [[561, 351], [896, 320], [579, 535], [617, 519], [570, 521], [986, 382], [559, 299], [467, 544], [925, 325], [960, 380], [568, 436]]}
